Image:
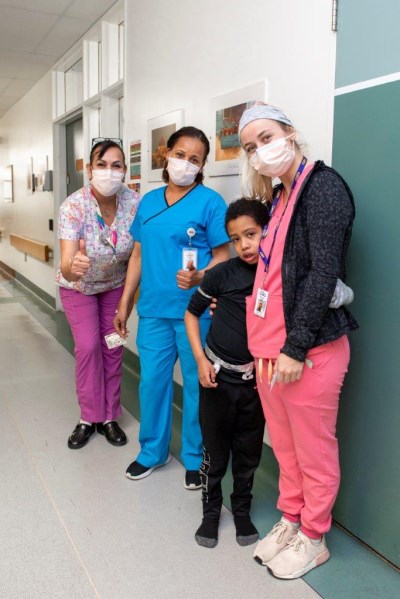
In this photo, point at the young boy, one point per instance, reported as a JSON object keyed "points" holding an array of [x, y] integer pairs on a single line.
{"points": [[231, 416]]}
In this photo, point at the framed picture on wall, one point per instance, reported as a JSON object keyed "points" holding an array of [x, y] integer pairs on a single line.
{"points": [[135, 159], [8, 184], [159, 130], [224, 116], [40, 169], [30, 180], [135, 186]]}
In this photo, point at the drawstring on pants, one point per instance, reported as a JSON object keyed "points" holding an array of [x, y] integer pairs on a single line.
{"points": [[270, 368]]}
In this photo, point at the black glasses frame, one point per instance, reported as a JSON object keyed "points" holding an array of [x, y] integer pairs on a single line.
{"points": [[99, 140]]}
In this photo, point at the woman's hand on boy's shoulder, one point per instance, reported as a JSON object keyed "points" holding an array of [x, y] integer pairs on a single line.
{"points": [[213, 306]]}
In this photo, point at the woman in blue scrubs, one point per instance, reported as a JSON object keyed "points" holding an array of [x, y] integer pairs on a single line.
{"points": [[179, 232]]}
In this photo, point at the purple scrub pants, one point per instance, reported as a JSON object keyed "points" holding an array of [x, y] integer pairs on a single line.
{"points": [[98, 370]]}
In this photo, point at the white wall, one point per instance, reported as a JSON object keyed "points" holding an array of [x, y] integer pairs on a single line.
{"points": [[181, 54], [25, 131]]}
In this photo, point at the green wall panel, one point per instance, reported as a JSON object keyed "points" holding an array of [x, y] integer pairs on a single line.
{"points": [[366, 151], [368, 40]]}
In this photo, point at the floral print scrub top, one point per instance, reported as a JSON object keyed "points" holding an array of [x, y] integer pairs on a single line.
{"points": [[78, 220]]}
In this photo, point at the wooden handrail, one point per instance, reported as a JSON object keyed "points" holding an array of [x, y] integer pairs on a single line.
{"points": [[37, 249]]}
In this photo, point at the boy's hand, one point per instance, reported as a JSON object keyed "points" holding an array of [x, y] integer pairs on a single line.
{"points": [[207, 374]]}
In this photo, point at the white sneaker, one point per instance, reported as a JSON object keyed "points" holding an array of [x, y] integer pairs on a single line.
{"points": [[275, 541], [299, 557]]}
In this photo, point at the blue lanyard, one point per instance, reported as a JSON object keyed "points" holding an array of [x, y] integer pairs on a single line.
{"points": [[267, 259]]}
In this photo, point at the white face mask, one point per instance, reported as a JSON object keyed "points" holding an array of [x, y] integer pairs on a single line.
{"points": [[106, 181], [182, 172], [274, 159]]}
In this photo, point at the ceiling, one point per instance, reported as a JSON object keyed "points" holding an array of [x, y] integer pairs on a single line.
{"points": [[34, 34]]}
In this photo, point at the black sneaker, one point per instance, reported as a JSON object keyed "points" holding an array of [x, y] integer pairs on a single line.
{"points": [[192, 480], [136, 471]]}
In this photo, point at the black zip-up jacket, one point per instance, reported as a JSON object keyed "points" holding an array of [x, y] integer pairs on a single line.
{"points": [[313, 258]]}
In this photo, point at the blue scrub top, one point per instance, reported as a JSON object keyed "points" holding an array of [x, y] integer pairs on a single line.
{"points": [[162, 232]]}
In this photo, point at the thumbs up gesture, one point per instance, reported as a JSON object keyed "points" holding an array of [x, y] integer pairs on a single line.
{"points": [[82, 247], [186, 279], [80, 262]]}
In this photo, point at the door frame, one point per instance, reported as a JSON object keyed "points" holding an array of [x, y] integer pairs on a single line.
{"points": [[60, 176]]}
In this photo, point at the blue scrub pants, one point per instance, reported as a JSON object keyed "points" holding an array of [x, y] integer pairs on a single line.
{"points": [[160, 341]]}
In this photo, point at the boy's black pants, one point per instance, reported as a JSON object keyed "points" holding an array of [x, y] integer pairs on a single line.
{"points": [[232, 421]]}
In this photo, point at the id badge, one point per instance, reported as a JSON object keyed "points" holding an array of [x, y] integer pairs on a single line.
{"points": [[189, 255], [261, 303], [114, 340]]}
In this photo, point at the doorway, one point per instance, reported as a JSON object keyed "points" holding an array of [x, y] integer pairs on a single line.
{"points": [[68, 160], [74, 150]]}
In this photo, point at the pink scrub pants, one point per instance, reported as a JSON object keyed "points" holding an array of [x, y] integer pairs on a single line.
{"points": [[98, 370], [301, 421]]}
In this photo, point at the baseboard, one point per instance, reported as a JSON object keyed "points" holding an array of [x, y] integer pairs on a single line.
{"points": [[43, 295]]}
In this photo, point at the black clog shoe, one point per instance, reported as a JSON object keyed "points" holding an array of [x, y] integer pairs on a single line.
{"points": [[80, 435], [113, 433]]}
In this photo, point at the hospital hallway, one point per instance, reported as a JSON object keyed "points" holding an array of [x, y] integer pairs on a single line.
{"points": [[73, 526]]}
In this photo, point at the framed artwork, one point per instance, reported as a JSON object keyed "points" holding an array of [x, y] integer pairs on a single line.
{"points": [[40, 173], [135, 159], [224, 114], [8, 184], [159, 130], [135, 186], [30, 181]]}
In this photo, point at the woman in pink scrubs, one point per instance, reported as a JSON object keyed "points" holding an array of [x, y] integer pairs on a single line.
{"points": [[299, 342]]}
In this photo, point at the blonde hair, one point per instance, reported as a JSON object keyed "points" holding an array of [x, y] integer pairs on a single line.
{"points": [[255, 186]]}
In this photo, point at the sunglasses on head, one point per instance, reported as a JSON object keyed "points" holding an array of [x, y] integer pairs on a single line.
{"points": [[99, 140]]}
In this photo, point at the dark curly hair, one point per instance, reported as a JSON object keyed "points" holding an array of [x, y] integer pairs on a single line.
{"points": [[245, 207], [194, 133]]}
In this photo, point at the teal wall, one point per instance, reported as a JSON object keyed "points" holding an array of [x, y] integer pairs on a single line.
{"points": [[366, 151], [368, 40]]}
